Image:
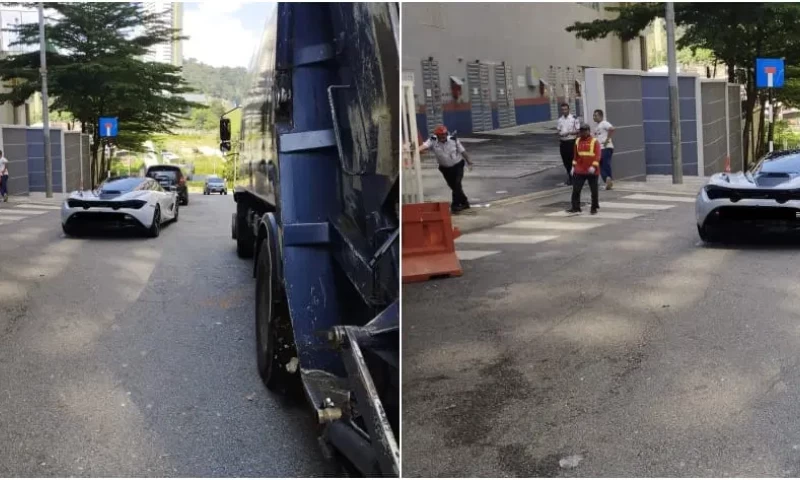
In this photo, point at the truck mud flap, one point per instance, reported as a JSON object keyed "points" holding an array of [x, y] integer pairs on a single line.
{"points": [[380, 336]]}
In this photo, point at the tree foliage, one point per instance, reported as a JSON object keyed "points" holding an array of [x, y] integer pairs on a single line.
{"points": [[96, 68], [735, 34]]}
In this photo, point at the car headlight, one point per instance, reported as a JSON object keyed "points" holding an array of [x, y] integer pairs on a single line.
{"points": [[716, 192]]}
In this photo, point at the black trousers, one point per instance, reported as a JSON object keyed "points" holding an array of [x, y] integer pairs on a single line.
{"points": [[453, 176], [567, 148], [577, 186]]}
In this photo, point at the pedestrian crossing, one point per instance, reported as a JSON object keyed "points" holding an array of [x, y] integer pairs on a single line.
{"points": [[24, 211], [486, 243]]}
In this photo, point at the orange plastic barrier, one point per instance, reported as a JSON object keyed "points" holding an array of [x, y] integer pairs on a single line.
{"points": [[428, 248]]}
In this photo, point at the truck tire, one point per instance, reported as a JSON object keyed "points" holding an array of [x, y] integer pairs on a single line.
{"points": [[274, 337], [244, 234]]}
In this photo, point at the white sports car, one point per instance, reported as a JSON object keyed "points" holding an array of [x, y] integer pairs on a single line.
{"points": [[120, 202], [764, 198]]}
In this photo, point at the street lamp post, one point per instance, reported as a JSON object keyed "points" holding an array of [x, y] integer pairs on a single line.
{"points": [[674, 103], [48, 159]]}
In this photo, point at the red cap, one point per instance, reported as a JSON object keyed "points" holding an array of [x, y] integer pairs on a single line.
{"points": [[440, 130]]}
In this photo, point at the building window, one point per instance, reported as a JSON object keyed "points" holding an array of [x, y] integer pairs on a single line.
{"points": [[593, 5]]}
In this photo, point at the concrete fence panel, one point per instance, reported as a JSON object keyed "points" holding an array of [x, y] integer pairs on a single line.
{"points": [[715, 128], [36, 169], [623, 108], [72, 160], [658, 146], [15, 148], [735, 126]]}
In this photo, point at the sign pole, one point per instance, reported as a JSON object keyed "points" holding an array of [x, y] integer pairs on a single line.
{"points": [[48, 159]]}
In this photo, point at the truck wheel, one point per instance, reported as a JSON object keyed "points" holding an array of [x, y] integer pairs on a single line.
{"points": [[274, 338], [244, 234]]}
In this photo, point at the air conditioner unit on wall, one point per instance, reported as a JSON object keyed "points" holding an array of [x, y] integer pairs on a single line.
{"points": [[532, 77]]}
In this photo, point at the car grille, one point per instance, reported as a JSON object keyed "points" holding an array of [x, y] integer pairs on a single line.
{"points": [[103, 218], [116, 205]]}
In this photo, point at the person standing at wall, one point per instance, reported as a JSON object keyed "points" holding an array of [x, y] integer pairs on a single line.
{"points": [[567, 132], [603, 132], [451, 156], [585, 168], [3, 176]]}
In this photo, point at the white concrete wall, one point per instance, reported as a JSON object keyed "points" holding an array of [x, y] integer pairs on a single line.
{"points": [[521, 34]]}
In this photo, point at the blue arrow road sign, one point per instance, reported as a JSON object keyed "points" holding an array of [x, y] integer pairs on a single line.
{"points": [[108, 126], [766, 68]]}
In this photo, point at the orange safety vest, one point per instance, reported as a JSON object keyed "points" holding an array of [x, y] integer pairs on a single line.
{"points": [[588, 153], [586, 158]]}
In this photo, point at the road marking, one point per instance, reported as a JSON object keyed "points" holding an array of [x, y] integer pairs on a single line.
{"points": [[474, 254], [635, 206], [29, 211], [504, 238], [661, 198], [550, 225], [608, 215], [37, 207]]}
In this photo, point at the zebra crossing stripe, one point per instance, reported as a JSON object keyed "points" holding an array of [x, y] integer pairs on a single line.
{"points": [[504, 238], [33, 206], [635, 206], [600, 215], [474, 254], [552, 225], [660, 198]]}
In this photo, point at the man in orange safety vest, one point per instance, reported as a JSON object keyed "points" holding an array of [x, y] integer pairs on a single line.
{"points": [[585, 167]]}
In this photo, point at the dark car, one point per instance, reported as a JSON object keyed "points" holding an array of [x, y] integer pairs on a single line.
{"points": [[170, 176], [215, 185]]}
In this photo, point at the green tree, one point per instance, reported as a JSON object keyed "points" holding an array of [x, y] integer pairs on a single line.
{"points": [[96, 68], [735, 33]]}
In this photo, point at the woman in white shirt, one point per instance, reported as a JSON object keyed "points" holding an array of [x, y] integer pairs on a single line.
{"points": [[603, 132]]}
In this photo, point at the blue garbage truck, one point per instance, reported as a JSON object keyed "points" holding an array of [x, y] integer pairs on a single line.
{"points": [[317, 209]]}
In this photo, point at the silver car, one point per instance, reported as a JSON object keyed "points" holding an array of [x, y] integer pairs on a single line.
{"points": [[215, 185], [764, 198]]}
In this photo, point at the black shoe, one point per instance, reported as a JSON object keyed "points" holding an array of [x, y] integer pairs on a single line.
{"points": [[593, 211], [465, 206], [456, 208], [574, 210]]}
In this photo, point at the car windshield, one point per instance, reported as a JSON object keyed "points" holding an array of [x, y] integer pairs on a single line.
{"points": [[165, 172], [121, 184], [779, 162], [214, 180]]}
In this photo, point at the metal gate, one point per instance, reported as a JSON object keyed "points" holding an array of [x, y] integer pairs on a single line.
{"points": [[504, 85], [432, 91], [479, 96]]}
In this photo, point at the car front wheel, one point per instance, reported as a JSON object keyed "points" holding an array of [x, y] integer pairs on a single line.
{"points": [[155, 229], [707, 234]]}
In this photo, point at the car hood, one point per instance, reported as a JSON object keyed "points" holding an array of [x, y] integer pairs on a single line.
{"points": [[759, 181], [108, 195]]}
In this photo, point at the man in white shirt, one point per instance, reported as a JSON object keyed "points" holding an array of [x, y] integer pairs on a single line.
{"points": [[603, 133], [451, 156], [568, 127], [3, 176]]}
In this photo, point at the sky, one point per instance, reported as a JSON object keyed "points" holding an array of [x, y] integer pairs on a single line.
{"points": [[224, 34]]}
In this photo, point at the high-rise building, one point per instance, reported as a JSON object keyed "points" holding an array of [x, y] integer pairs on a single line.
{"points": [[172, 13]]}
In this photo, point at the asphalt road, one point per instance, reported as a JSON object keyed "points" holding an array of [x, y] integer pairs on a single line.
{"points": [[505, 166], [134, 357], [625, 349]]}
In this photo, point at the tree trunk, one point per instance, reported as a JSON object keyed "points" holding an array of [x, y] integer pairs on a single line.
{"points": [[760, 150], [749, 106]]}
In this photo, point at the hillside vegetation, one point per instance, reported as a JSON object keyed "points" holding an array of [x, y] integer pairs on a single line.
{"points": [[225, 83]]}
